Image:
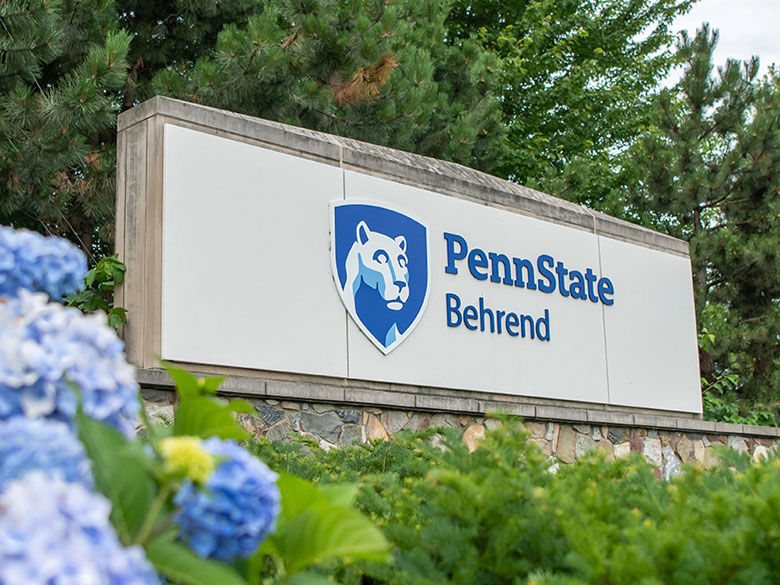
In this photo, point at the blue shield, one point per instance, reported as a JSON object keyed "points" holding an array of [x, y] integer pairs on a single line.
{"points": [[381, 268]]}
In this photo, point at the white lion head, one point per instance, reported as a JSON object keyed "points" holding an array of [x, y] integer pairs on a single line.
{"points": [[379, 261]]}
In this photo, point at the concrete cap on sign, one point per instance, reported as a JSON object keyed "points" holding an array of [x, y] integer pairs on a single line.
{"points": [[433, 174]]}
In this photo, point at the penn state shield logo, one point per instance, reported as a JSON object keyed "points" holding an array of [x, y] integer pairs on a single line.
{"points": [[381, 268]]}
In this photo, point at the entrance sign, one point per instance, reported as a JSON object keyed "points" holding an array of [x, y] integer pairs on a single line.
{"points": [[275, 257]]}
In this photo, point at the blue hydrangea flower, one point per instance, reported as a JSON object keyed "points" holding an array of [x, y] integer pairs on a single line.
{"points": [[58, 533], [230, 515], [44, 346], [48, 445], [31, 261]]}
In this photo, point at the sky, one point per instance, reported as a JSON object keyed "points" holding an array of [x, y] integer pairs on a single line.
{"points": [[747, 28]]}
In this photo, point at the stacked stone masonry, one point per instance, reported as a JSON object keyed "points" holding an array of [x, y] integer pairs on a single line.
{"points": [[334, 426]]}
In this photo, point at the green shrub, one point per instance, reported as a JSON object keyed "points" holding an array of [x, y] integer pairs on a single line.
{"points": [[721, 400], [500, 515], [99, 287], [721, 404]]}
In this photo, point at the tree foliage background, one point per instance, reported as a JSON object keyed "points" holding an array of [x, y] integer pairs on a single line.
{"points": [[62, 64], [565, 96], [708, 170]]}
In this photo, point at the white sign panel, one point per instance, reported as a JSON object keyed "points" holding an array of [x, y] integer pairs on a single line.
{"points": [[276, 262]]}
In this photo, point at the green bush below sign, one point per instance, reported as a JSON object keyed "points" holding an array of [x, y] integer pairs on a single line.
{"points": [[502, 515]]}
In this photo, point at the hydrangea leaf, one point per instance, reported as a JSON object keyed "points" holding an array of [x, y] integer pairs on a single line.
{"points": [[184, 566], [325, 532], [190, 386], [308, 579], [313, 528], [121, 471], [297, 495], [198, 414], [340, 494], [203, 417]]}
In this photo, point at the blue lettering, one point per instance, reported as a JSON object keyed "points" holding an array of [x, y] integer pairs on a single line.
{"points": [[577, 288], [512, 321], [477, 259], [559, 268], [530, 281], [469, 314], [452, 255], [495, 261], [453, 304], [606, 288], [480, 317], [591, 278], [544, 263], [482, 312], [499, 316], [546, 322], [526, 319], [545, 274]]}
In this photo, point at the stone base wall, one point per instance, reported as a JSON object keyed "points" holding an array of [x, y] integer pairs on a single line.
{"points": [[333, 425]]}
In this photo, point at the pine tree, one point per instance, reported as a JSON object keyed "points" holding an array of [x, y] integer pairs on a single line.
{"points": [[437, 77], [173, 34], [708, 171], [367, 69], [61, 64]]}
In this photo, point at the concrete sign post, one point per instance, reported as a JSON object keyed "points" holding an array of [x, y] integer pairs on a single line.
{"points": [[267, 250]]}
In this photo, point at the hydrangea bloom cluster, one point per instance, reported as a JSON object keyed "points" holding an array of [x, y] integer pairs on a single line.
{"points": [[237, 506], [58, 533], [48, 445], [31, 261], [44, 347]]}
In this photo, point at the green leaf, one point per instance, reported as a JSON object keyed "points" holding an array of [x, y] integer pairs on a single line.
{"points": [[78, 298], [313, 528], [321, 533], [297, 495], [110, 270], [340, 494], [210, 384], [188, 384], [117, 317], [121, 470], [89, 279], [307, 579], [203, 417], [182, 565], [199, 414]]}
